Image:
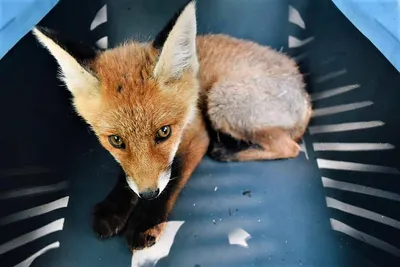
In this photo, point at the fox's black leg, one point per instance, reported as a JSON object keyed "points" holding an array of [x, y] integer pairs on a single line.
{"points": [[146, 222], [111, 215], [225, 148]]}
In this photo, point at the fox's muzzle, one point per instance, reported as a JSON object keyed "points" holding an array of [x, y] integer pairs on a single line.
{"points": [[149, 194]]}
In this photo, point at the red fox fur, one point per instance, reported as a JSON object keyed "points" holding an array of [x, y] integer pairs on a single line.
{"points": [[150, 102]]}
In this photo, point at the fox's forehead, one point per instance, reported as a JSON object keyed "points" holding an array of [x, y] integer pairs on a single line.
{"points": [[132, 100], [139, 113], [130, 65]]}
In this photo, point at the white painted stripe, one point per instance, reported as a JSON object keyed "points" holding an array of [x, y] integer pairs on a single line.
{"points": [[352, 166], [340, 108], [333, 92], [26, 170], [34, 190], [31, 236], [36, 211], [294, 42], [361, 189], [351, 146], [102, 43], [295, 17], [328, 60], [303, 148], [373, 241], [336, 204], [300, 57], [344, 127], [28, 261], [330, 76], [100, 18]]}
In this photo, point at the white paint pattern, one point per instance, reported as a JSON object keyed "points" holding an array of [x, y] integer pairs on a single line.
{"points": [[344, 127], [294, 42], [361, 189], [28, 261], [338, 205], [295, 17], [330, 76], [366, 238], [352, 166], [102, 42], [340, 108], [300, 57], [34, 190], [333, 92], [36, 211], [351, 146], [100, 18], [31, 236], [25, 170]]}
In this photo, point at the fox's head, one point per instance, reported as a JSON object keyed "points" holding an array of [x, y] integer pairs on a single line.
{"points": [[138, 98]]}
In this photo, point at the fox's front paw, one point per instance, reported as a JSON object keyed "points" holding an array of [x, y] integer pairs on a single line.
{"points": [[140, 239], [109, 218]]}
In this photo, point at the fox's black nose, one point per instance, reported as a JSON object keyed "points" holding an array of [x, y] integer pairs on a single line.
{"points": [[149, 194]]}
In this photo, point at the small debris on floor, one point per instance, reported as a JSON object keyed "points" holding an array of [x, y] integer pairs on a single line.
{"points": [[216, 188], [247, 193], [229, 212], [197, 265], [194, 204], [214, 222]]}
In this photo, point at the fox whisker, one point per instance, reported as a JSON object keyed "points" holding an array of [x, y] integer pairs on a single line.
{"points": [[173, 178]]}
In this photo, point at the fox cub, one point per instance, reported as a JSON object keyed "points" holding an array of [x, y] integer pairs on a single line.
{"points": [[158, 107]]}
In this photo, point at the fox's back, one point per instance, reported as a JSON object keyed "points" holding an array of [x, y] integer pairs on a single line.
{"points": [[223, 57], [249, 85]]}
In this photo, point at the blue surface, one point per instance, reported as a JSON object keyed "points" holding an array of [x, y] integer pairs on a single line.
{"points": [[17, 17], [379, 21]]}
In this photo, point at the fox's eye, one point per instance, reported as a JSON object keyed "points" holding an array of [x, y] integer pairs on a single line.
{"points": [[163, 134], [116, 141]]}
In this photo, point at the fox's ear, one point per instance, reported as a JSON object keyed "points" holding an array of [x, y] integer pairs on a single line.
{"points": [[177, 42], [71, 58]]}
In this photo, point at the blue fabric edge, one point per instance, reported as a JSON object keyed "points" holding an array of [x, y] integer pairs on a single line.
{"points": [[22, 23], [387, 44]]}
